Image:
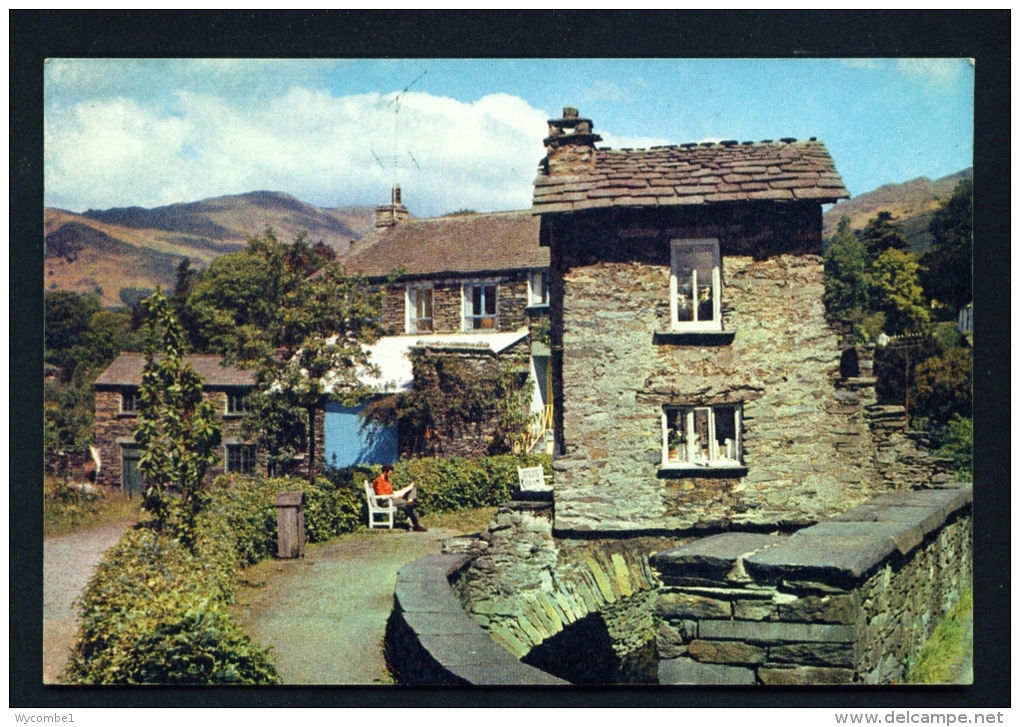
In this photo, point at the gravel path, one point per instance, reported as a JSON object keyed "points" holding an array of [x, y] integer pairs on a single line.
{"points": [[325, 615], [68, 563]]}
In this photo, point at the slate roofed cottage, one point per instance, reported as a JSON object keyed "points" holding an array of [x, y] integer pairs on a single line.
{"points": [[474, 286], [696, 380], [116, 395]]}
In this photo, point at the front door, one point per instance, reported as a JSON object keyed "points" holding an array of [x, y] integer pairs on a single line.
{"points": [[131, 476]]}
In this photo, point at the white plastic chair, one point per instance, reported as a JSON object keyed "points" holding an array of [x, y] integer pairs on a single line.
{"points": [[379, 505], [533, 479]]}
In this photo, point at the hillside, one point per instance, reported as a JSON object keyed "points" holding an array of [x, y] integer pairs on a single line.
{"points": [[107, 250], [911, 203]]}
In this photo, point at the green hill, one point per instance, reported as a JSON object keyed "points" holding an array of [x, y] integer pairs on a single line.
{"points": [[911, 203], [135, 247]]}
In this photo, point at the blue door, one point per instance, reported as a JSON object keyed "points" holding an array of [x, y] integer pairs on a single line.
{"points": [[349, 443]]}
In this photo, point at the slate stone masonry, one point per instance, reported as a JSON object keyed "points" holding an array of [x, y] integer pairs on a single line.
{"points": [[814, 443], [850, 600]]}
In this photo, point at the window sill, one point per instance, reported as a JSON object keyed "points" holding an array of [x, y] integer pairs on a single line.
{"points": [[538, 308], [234, 415], [127, 415], [677, 472], [693, 338]]}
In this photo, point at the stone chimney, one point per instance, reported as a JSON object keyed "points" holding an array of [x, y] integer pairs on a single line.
{"points": [[387, 215], [570, 146]]}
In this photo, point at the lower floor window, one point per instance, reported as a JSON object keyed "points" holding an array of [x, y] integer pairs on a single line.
{"points": [[241, 458], [701, 436]]}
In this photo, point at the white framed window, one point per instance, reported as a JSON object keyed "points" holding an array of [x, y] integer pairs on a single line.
{"points": [[694, 285], [480, 307], [702, 436], [237, 402], [129, 400], [240, 458], [420, 303], [538, 288]]}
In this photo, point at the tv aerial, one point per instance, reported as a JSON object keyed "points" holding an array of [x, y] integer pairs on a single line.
{"points": [[395, 103]]}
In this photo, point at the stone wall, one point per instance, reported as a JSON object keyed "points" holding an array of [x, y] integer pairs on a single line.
{"points": [[447, 302], [528, 589], [851, 600], [430, 641], [114, 429]]}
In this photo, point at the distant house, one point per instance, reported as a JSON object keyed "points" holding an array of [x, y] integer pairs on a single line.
{"points": [[473, 285], [116, 394], [697, 383]]}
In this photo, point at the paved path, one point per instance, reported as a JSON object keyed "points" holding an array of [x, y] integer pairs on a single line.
{"points": [[325, 615], [68, 563]]}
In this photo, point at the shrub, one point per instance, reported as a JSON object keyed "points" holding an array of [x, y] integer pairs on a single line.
{"points": [[154, 613]]}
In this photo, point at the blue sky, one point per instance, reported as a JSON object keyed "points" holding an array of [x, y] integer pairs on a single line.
{"points": [[153, 132]]}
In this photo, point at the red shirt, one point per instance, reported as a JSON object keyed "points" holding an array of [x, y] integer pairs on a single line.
{"points": [[382, 486]]}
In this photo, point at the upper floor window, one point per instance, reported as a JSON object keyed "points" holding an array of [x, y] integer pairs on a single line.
{"points": [[237, 402], [419, 310], [538, 288], [702, 436], [694, 285], [480, 307], [129, 401]]}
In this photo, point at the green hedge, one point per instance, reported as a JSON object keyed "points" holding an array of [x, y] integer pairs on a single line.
{"points": [[452, 483], [155, 610]]}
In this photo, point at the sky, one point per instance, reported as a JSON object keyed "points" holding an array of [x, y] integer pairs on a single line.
{"points": [[467, 134]]}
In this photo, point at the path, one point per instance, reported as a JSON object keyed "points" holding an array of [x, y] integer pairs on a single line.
{"points": [[325, 615], [68, 563]]}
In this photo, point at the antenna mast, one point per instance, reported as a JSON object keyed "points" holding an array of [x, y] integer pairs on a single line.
{"points": [[396, 103]]}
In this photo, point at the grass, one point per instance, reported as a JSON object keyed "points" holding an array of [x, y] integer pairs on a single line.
{"points": [[472, 520], [944, 652], [66, 511]]}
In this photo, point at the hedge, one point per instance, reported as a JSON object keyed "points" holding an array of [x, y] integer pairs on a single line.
{"points": [[155, 611]]}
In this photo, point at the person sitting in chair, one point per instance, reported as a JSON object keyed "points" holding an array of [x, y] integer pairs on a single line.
{"points": [[404, 499]]}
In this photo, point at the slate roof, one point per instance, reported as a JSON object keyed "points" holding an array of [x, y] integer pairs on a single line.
{"points": [[126, 370], [458, 245], [696, 174]]}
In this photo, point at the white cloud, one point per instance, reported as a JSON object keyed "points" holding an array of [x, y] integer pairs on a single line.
{"points": [[316, 146], [605, 91], [937, 73]]}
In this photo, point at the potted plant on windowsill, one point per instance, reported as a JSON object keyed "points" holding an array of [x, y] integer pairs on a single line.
{"points": [[674, 445]]}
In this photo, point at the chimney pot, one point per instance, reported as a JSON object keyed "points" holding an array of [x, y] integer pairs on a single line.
{"points": [[569, 112]]}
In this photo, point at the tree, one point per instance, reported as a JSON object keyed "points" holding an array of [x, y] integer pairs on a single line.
{"points": [[846, 285], [897, 292], [323, 324], [945, 386], [946, 268], [177, 427], [883, 233], [68, 319]]}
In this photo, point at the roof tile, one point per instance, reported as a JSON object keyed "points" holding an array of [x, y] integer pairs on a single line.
{"points": [[459, 244], [700, 173]]}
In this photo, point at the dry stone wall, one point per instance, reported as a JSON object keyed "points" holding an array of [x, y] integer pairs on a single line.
{"points": [[851, 600], [526, 588], [814, 443]]}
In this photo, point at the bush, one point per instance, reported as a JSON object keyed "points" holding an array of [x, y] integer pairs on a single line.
{"points": [[154, 613], [66, 509], [155, 610]]}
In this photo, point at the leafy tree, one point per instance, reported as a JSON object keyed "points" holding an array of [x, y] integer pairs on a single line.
{"points": [[846, 285], [177, 427], [958, 442], [514, 390], [945, 386], [883, 233], [68, 317], [946, 268], [131, 297], [319, 356], [897, 292]]}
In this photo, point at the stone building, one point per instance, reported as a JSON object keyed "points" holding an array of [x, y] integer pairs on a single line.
{"points": [[474, 286], [696, 380], [116, 395]]}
